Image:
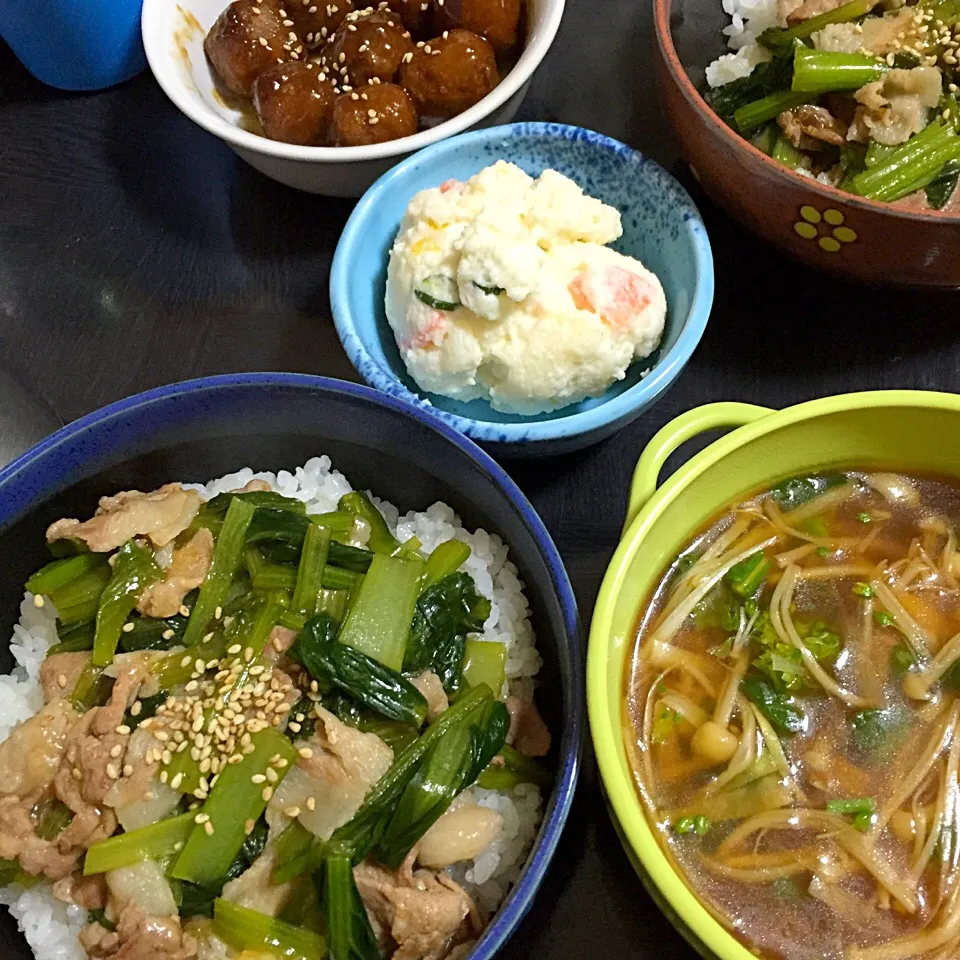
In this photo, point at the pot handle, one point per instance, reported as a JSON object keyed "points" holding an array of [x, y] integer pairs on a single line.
{"points": [[676, 432]]}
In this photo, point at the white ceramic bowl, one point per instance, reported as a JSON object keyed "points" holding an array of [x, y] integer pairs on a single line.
{"points": [[173, 32]]}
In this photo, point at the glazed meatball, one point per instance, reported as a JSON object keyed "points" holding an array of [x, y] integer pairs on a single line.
{"points": [[294, 102], [496, 20], [248, 37], [369, 44], [375, 113], [315, 21], [449, 74]]}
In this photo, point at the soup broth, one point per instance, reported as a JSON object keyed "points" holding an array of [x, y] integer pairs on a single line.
{"points": [[793, 718]]}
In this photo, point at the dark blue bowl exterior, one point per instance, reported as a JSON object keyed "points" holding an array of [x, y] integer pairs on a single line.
{"points": [[661, 227], [248, 413]]}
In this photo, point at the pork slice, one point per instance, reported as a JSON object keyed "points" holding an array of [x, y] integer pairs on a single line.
{"points": [[340, 769], [430, 685], [188, 569], [139, 937], [161, 515], [59, 674], [425, 914], [528, 733], [31, 755], [254, 888]]}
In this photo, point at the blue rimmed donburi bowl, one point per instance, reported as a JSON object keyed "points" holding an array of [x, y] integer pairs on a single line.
{"points": [[271, 421], [661, 226]]}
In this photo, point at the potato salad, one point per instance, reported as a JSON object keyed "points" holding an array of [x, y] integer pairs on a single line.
{"points": [[504, 287]]}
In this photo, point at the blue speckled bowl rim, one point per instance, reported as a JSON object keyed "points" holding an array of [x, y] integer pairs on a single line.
{"points": [[665, 370], [66, 441]]}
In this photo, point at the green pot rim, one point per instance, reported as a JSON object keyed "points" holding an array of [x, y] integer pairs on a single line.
{"points": [[646, 503]]}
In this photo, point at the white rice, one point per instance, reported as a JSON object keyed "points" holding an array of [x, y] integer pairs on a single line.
{"points": [[748, 19], [51, 928]]}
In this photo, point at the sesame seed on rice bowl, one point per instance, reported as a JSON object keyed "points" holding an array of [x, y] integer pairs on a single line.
{"points": [[51, 927]]}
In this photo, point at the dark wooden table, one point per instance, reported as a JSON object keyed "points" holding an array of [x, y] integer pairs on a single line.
{"points": [[136, 250]]}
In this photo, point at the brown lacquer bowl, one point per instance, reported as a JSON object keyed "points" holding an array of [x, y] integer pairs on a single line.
{"points": [[825, 227]]}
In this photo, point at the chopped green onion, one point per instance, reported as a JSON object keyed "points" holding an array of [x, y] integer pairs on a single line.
{"points": [[59, 573], [359, 504], [89, 688], [513, 768], [156, 842], [853, 805], [823, 552], [451, 765], [863, 590], [364, 679], [234, 800], [781, 710], [754, 114], [171, 671], [910, 166], [944, 185], [901, 657], [248, 930], [75, 638], [183, 773], [667, 720], [862, 809], [348, 926], [338, 522], [765, 139], [786, 153], [77, 601], [313, 560], [446, 558], [877, 153], [265, 575], [700, 825], [777, 38], [864, 517], [748, 576], [485, 661], [379, 622], [134, 569], [336, 578], [227, 555], [379, 806], [882, 618], [824, 71]]}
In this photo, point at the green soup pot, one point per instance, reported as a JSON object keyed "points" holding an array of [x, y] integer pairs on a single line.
{"points": [[909, 431]]}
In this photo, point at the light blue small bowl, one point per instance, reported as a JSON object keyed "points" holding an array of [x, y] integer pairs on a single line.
{"points": [[661, 227]]}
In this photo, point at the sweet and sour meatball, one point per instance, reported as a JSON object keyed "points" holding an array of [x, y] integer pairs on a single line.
{"points": [[316, 20], [294, 102], [447, 75], [247, 38], [375, 113], [369, 45], [498, 21]]}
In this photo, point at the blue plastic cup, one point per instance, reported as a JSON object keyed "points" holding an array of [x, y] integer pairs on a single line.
{"points": [[75, 44]]}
